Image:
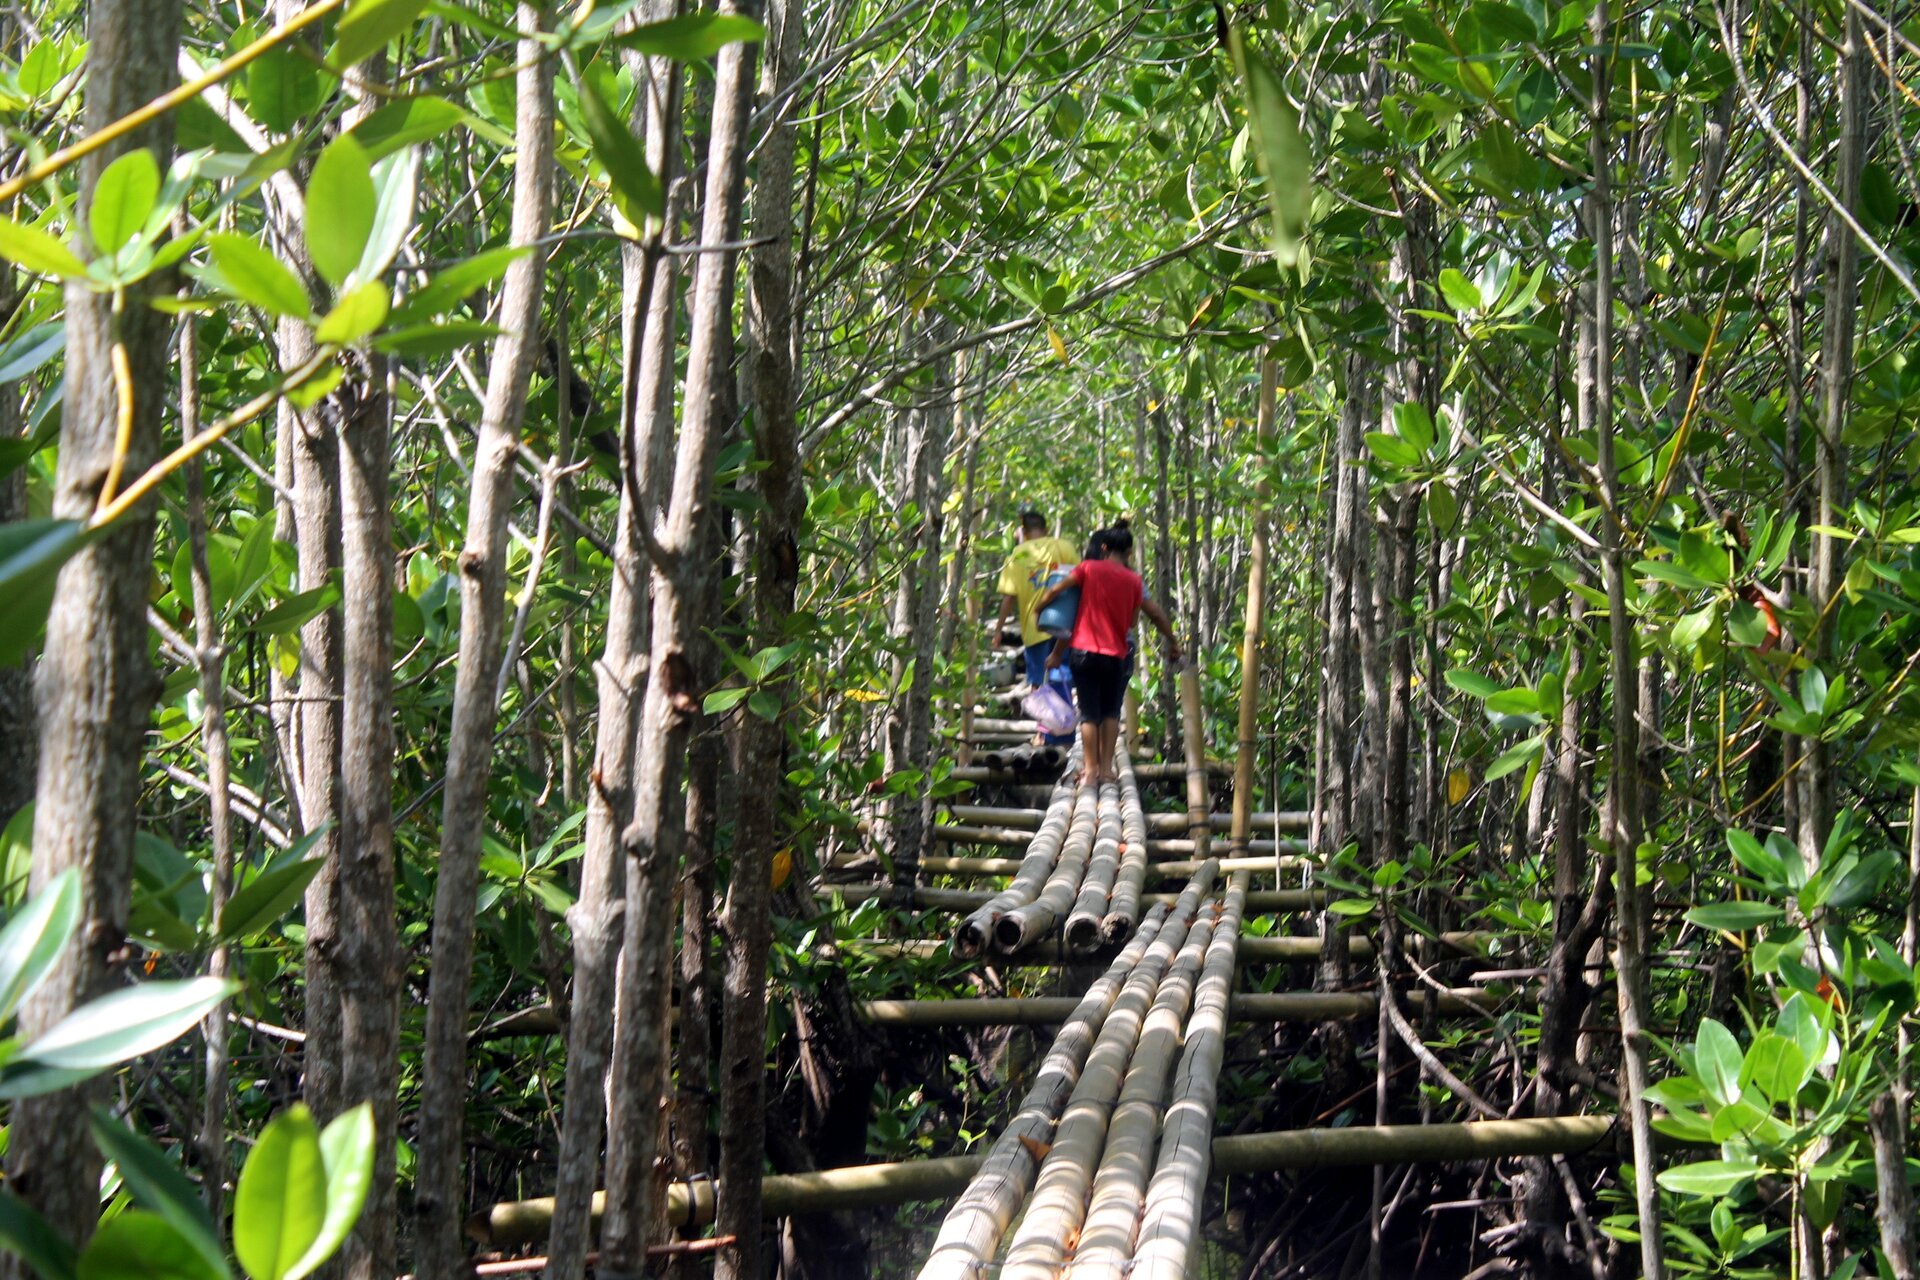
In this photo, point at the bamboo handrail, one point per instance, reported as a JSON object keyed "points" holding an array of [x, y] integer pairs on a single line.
{"points": [[1176, 869], [514, 1224], [1193, 736]]}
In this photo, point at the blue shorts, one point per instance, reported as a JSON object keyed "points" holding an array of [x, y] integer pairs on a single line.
{"points": [[1060, 678]]}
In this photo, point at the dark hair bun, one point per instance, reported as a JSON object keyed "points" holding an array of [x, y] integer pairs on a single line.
{"points": [[1121, 523]]}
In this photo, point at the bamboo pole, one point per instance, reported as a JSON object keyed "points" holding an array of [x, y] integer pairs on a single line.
{"points": [[1157, 823], [1170, 1219], [1148, 771], [1193, 734], [963, 750], [1059, 1194], [1252, 950], [1243, 757], [974, 1226], [971, 938], [1250, 1007], [1083, 933], [1008, 837], [1028, 923], [1124, 904], [515, 1224], [1156, 870], [1259, 901], [1113, 1207]]}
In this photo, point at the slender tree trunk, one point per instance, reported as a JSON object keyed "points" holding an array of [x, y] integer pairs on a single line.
{"points": [[18, 736], [747, 922], [1623, 830], [96, 685], [210, 658], [683, 591], [650, 301], [483, 568]]}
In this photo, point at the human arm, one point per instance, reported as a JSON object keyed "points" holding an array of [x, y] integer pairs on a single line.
{"points": [[1053, 592], [1163, 624], [1057, 654], [1009, 607]]}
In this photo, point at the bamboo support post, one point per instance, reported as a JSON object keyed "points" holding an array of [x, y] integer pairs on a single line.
{"points": [[1113, 1206], [971, 938], [1028, 923], [1170, 1218], [1060, 1191], [1193, 734], [515, 1224], [963, 750], [1083, 932], [1244, 751], [1124, 904]]}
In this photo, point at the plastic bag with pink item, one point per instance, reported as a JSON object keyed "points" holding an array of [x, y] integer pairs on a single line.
{"points": [[1051, 709]]}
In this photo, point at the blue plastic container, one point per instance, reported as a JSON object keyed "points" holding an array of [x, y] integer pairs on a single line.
{"points": [[1057, 618]]}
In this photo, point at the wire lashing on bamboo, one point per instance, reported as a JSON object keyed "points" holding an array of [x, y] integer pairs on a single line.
{"points": [[1083, 931], [1170, 1220], [1059, 1198], [971, 938], [979, 1218], [1035, 920]]}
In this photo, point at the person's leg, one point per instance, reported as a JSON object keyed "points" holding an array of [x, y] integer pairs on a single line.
{"points": [[1109, 739], [1089, 750], [1036, 656]]}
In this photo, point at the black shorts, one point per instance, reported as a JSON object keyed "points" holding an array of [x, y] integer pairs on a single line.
{"points": [[1100, 685]]}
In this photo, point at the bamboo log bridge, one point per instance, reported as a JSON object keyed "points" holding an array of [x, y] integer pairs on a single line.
{"points": [[1180, 869], [1243, 1007], [517, 1224], [1157, 823], [984, 770], [1253, 950]]}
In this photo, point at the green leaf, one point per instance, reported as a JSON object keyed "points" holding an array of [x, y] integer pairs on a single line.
{"points": [[1746, 625], [1717, 1059], [370, 25], [434, 339], [122, 198], [721, 701], [1351, 906], [1414, 424], [116, 1028], [451, 285], [31, 350], [31, 554], [346, 1152], [311, 392], [264, 899], [1514, 757], [340, 208], [297, 610], [250, 273], [356, 315], [1707, 1177], [1472, 683], [35, 250], [636, 190], [1514, 702], [1461, 293], [1279, 147], [693, 37], [280, 1204], [34, 938], [404, 123], [1775, 1066], [137, 1245], [1734, 917], [28, 1235], [394, 181], [1755, 857], [283, 85], [1662, 571], [160, 1185], [1392, 450]]}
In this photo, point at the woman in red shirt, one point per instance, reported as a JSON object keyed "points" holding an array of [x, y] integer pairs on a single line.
{"points": [[1111, 598]]}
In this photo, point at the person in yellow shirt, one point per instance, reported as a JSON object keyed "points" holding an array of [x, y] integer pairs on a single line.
{"points": [[1035, 556]]}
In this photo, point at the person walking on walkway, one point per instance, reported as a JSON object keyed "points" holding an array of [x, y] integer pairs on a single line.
{"points": [[1035, 556], [1111, 598]]}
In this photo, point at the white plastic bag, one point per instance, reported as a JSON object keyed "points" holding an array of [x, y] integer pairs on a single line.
{"points": [[1051, 709]]}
